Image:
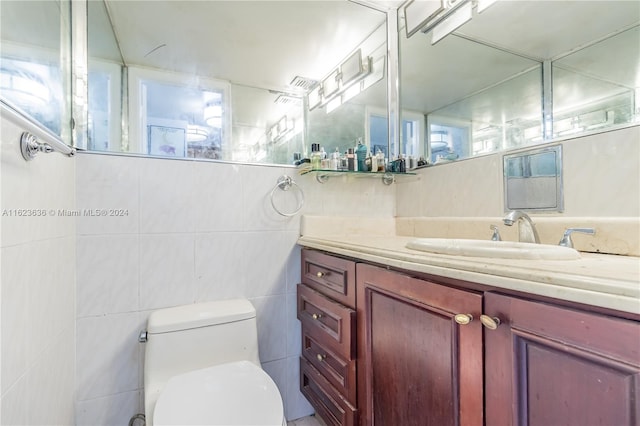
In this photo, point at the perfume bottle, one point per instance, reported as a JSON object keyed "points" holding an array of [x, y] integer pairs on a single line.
{"points": [[316, 157]]}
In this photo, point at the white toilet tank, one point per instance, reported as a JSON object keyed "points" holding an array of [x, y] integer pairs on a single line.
{"points": [[187, 338]]}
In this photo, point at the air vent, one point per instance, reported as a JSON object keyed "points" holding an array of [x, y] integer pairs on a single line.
{"points": [[287, 100], [303, 83]]}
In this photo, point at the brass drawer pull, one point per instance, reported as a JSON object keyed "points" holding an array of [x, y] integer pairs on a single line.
{"points": [[490, 322], [463, 319], [321, 357], [321, 274], [316, 316]]}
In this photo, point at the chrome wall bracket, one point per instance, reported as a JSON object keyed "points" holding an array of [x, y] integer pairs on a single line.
{"points": [[30, 147], [285, 183], [388, 178]]}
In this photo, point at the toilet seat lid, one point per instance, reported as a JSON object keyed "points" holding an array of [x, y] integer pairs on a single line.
{"points": [[236, 393]]}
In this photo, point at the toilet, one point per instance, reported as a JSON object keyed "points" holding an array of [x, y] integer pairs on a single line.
{"points": [[202, 368]]}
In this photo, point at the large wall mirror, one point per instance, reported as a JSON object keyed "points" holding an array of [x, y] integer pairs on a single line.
{"points": [[36, 62], [485, 76], [229, 80]]}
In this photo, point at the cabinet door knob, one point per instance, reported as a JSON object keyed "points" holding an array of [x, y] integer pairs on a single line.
{"points": [[321, 274], [490, 322], [321, 357], [463, 319], [316, 316]]}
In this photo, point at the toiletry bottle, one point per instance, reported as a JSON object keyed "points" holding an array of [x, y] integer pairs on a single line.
{"points": [[344, 165], [380, 160], [351, 161], [335, 160], [361, 155], [315, 156]]}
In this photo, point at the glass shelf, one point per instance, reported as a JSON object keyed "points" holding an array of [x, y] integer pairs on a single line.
{"points": [[387, 177]]}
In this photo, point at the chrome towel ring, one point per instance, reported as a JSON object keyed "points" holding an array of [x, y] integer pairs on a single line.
{"points": [[285, 183]]}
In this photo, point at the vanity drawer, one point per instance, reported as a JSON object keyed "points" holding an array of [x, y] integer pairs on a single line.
{"points": [[327, 321], [331, 276], [329, 404], [339, 372]]}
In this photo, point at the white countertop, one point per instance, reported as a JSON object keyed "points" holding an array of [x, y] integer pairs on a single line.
{"points": [[607, 281]]}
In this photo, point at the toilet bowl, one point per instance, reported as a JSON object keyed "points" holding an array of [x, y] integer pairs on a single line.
{"points": [[238, 393], [202, 368]]}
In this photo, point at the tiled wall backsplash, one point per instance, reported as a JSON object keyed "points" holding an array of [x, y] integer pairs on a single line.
{"points": [[601, 176], [38, 286], [188, 232], [191, 232]]}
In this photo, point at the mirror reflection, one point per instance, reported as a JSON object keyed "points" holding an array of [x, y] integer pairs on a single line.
{"points": [[35, 65], [498, 81], [352, 109], [226, 80]]}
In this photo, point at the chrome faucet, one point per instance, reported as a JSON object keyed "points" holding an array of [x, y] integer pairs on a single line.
{"points": [[566, 240], [496, 233], [526, 229]]}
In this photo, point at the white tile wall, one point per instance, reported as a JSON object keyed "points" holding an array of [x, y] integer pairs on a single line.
{"points": [[109, 410], [194, 232], [601, 179], [37, 286]]}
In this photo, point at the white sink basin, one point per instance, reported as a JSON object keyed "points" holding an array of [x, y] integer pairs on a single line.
{"points": [[494, 249]]}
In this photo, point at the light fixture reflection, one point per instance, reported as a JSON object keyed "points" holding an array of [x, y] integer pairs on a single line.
{"points": [[349, 74], [279, 130], [314, 97], [213, 115], [196, 133], [330, 85], [462, 15], [351, 68], [483, 4]]}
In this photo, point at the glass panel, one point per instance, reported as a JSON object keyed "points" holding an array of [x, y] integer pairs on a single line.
{"points": [[34, 60], [267, 54], [499, 73], [488, 104], [504, 116], [177, 119], [106, 69], [589, 93], [355, 114], [267, 126]]}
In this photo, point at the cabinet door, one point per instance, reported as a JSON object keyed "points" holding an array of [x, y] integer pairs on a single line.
{"points": [[548, 365], [416, 365]]}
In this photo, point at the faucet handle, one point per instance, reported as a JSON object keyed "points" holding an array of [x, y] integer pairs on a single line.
{"points": [[496, 233], [566, 240]]}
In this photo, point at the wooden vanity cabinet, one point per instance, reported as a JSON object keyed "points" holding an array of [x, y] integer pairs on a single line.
{"points": [[326, 309], [550, 365], [416, 364], [454, 353]]}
